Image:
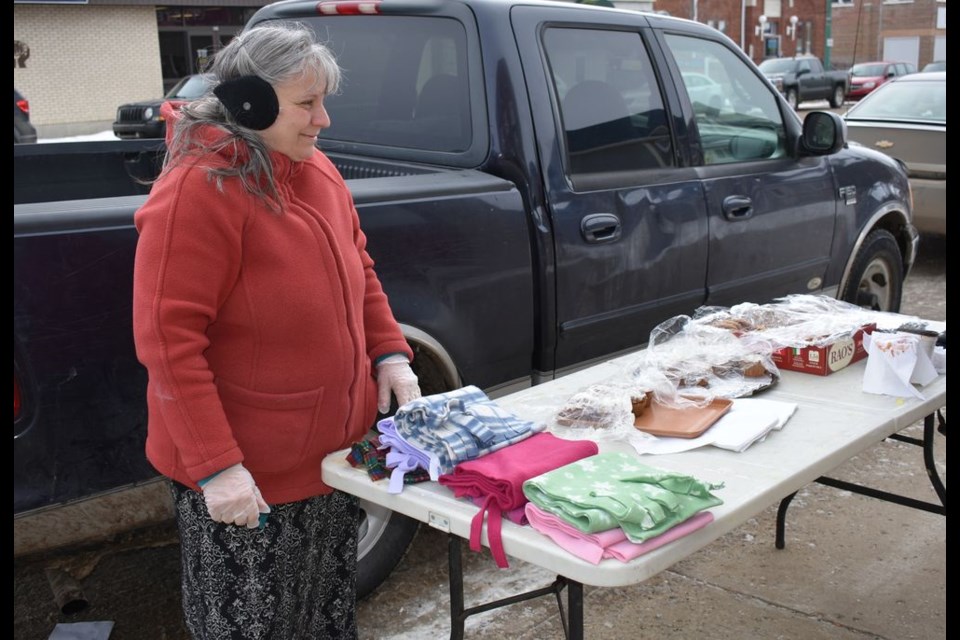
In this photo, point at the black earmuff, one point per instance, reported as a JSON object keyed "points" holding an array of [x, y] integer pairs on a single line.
{"points": [[250, 101]]}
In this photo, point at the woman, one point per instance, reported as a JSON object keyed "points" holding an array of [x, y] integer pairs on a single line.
{"points": [[262, 324]]}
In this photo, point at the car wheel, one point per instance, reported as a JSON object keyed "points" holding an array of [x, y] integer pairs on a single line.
{"points": [[383, 539], [876, 279], [836, 101], [793, 99]]}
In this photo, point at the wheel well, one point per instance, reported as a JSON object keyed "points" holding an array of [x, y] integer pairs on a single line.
{"points": [[894, 223], [435, 373]]}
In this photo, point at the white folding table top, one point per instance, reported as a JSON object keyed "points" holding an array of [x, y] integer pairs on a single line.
{"points": [[834, 421]]}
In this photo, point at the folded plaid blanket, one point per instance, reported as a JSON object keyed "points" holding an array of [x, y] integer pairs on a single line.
{"points": [[368, 455], [445, 429]]}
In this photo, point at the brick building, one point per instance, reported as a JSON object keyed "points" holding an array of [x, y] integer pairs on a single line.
{"points": [[840, 32], [905, 30], [78, 60]]}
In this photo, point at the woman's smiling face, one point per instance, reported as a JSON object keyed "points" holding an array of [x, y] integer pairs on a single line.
{"points": [[302, 116]]}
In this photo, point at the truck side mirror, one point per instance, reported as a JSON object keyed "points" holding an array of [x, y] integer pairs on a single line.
{"points": [[823, 133]]}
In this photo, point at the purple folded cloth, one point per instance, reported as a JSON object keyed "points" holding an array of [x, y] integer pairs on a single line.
{"points": [[403, 457], [497, 479], [610, 543]]}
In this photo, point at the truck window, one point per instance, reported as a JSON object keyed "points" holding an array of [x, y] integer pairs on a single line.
{"points": [[404, 86], [610, 106], [735, 113]]}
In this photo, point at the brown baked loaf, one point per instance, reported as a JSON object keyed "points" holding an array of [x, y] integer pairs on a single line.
{"points": [[640, 401], [754, 369], [597, 407]]}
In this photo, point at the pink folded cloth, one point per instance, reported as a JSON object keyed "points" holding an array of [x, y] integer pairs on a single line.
{"points": [[517, 516], [612, 543], [497, 479]]}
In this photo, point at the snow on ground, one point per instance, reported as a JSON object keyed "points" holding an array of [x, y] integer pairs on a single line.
{"points": [[102, 135]]}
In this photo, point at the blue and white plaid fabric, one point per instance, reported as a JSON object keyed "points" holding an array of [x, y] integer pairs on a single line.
{"points": [[459, 425]]}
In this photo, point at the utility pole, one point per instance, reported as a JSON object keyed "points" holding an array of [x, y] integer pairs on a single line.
{"points": [[828, 36]]}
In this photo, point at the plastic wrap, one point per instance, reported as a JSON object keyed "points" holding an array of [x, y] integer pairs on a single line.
{"points": [[700, 362], [792, 321], [600, 410]]}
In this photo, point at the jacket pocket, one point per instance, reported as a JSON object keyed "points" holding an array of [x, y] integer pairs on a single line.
{"points": [[272, 429]]}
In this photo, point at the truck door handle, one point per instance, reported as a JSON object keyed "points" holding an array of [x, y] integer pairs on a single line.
{"points": [[600, 227], [737, 207]]}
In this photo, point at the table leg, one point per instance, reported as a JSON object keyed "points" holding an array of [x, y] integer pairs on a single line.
{"points": [[575, 615], [929, 430], [572, 621], [455, 570]]}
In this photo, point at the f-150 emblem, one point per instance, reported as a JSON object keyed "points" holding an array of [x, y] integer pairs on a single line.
{"points": [[848, 194], [883, 144]]}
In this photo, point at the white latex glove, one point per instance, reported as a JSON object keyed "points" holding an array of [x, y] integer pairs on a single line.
{"points": [[395, 375], [232, 497]]}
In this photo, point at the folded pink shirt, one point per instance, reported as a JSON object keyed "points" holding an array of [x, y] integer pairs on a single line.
{"points": [[497, 479], [612, 543]]}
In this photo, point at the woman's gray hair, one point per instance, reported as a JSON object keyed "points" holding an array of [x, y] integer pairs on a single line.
{"points": [[276, 52]]}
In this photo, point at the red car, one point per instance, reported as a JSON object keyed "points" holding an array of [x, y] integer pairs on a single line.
{"points": [[867, 76]]}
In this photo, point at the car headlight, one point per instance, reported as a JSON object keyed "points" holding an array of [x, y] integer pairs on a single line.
{"points": [[148, 113], [869, 85]]}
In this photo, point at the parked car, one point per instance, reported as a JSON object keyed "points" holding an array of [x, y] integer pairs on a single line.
{"points": [[907, 119], [23, 129], [936, 65], [704, 90], [143, 119], [803, 78], [867, 76]]}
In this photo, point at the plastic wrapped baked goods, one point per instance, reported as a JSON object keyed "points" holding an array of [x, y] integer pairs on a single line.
{"points": [[701, 362], [744, 318], [600, 406], [640, 401]]}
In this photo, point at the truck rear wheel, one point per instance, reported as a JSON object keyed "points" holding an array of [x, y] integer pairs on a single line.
{"points": [[383, 540], [876, 279], [836, 100], [384, 535], [793, 99]]}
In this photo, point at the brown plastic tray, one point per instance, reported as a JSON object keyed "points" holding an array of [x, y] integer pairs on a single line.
{"points": [[661, 420]]}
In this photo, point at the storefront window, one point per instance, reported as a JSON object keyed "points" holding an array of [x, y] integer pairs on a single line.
{"points": [[176, 16]]}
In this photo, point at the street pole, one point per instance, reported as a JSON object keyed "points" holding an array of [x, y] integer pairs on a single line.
{"points": [[828, 36]]}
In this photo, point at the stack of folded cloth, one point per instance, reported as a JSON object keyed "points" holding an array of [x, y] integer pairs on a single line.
{"points": [[370, 455], [611, 498], [496, 480], [440, 431]]}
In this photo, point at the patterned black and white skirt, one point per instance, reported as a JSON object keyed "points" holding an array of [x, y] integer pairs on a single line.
{"points": [[293, 578]]}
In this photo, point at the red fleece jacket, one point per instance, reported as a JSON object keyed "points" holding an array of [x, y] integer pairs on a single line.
{"points": [[258, 330]]}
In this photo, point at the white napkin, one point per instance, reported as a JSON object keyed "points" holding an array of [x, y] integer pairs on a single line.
{"points": [[748, 421], [895, 363]]}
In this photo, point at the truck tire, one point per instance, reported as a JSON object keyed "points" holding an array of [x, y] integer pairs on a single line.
{"points": [[383, 539], [793, 99], [384, 535], [836, 100], [876, 279]]}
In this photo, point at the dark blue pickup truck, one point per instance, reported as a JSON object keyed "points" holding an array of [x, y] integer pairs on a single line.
{"points": [[539, 189]]}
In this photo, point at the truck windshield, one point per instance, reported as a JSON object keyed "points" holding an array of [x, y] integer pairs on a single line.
{"points": [[403, 85], [867, 70], [777, 65]]}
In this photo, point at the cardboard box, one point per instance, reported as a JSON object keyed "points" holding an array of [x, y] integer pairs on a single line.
{"points": [[824, 360]]}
